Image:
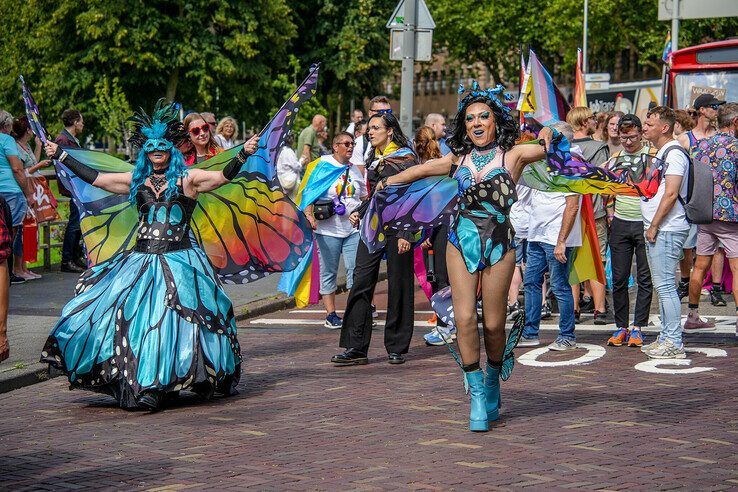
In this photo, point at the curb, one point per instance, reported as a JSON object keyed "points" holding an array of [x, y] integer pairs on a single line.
{"points": [[38, 372]]}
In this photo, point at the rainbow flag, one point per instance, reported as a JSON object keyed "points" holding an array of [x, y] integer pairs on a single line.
{"points": [[304, 281], [580, 93], [666, 55], [586, 263], [549, 103]]}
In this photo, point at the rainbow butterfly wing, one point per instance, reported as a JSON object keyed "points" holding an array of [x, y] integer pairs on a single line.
{"points": [[423, 204], [108, 221]]}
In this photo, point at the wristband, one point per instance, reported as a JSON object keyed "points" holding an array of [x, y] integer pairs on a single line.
{"points": [[234, 167]]}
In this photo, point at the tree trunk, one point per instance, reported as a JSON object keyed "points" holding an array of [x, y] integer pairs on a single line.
{"points": [[172, 84], [632, 63], [618, 71]]}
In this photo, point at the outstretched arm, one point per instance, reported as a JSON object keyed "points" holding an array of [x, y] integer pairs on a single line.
{"points": [[434, 167], [118, 183], [202, 181], [523, 154]]}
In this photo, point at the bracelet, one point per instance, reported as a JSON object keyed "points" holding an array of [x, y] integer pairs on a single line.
{"points": [[384, 181]]}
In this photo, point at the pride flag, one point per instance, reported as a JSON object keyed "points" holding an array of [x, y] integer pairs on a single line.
{"points": [[666, 55], [580, 93], [549, 103], [586, 263]]}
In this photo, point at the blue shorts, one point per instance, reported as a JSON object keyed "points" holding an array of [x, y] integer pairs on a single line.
{"points": [[691, 241], [18, 206], [521, 248]]}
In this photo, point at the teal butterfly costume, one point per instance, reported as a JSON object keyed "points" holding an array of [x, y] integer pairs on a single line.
{"points": [[150, 316]]}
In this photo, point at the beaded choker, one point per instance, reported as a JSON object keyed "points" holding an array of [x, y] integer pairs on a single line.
{"points": [[161, 171], [481, 160]]}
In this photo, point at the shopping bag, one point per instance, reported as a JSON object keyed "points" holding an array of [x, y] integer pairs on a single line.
{"points": [[30, 238], [43, 201]]}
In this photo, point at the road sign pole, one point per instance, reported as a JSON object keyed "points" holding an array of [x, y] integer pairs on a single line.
{"points": [[674, 25], [408, 68]]}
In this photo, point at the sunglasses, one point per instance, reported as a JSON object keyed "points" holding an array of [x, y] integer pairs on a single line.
{"points": [[204, 129], [384, 111], [714, 106], [347, 144]]}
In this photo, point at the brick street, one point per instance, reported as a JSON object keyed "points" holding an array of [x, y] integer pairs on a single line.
{"points": [[301, 424]]}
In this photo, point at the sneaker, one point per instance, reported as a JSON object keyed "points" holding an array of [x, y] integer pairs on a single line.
{"points": [[619, 337], [635, 338], [435, 338], [546, 310], [332, 321], [587, 305], [374, 312], [15, 279], [683, 290], [433, 320], [716, 298], [605, 318], [666, 350], [652, 345], [529, 342], [562, 344], [697, 324]]}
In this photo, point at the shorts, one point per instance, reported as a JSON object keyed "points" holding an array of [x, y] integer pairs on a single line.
{"points": [[18, 206], [691, 241], [713, 235], [521, 248], [330, 249], [601, 226]]}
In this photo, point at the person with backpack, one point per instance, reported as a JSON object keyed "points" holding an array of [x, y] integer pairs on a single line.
{"points": [[720, 152], [666, 229]]}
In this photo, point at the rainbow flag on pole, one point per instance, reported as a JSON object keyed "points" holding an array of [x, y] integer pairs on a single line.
{"points": [[586, 263], [580, 92], [666, 55], [549, 104]]}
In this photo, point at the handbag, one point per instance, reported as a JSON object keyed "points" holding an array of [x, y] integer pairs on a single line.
{"points": [[325, 209]]}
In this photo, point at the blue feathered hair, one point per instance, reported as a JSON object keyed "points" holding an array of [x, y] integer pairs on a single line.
{"points": [[177, 169]]}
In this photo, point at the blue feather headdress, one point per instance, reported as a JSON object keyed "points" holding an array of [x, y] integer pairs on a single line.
{"points": [[163, 124], [492, 95]]}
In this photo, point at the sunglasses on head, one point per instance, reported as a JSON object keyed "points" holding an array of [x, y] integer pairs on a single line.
{"points": [[384, 111], [204, 129]]}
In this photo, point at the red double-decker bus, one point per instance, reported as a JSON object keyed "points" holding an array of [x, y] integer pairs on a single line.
{"points": [[705, 68]]}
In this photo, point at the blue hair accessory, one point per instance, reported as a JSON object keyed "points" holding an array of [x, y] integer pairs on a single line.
{"points": [[492, 94]]}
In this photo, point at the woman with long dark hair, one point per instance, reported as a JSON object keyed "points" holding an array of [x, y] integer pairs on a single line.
{"points": [[489, 164], [391, 155]]}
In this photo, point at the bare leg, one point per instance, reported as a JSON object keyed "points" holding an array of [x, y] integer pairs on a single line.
{"points": [[464, 298], [701, 266], [575, 293], [733, 262], [495, 280], [598, 294], [514, 291], [685, 264], [718, 261], [4, 295], [330, 302]]}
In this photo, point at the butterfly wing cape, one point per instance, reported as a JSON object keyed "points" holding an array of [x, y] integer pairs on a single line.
{"points": [[248, 228]]}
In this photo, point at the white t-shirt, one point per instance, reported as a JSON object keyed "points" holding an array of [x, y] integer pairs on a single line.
{"points": [[223, 142], [546, 214], [676, 219], [339, 225], [361, 152], [520, 211]]}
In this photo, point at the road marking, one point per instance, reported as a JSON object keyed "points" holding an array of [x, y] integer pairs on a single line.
{"points": [[654, 365], [594, 352]]}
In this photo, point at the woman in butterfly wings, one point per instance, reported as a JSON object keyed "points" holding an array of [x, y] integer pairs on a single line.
{"points": [[150, 316]]}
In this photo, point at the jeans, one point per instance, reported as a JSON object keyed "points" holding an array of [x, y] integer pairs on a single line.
{"points": [[663, 257], [72, 235], [329, 252], [627, 239], [540, 258]]}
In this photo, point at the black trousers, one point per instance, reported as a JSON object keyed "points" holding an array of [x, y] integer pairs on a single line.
{"points": [[439, 240], [356, 331], [626, 239]]}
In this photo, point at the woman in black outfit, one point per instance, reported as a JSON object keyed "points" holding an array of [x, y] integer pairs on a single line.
{"points": [[391, 155]]}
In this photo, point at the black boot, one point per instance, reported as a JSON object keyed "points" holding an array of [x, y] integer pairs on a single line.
{"points": [[150, 400]]}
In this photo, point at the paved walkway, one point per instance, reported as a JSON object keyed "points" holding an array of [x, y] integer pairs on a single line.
{"points": [[608, 421]]}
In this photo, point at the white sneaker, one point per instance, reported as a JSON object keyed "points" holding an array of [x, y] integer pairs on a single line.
{"points": [[528, 342], [667, 350], [562, 344]]}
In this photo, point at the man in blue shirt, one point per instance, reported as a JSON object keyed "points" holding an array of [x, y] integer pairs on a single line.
{"points": [[438, 123]]}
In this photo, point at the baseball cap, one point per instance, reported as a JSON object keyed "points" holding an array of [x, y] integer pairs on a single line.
{"points": [[630, 119], [704, 100]]}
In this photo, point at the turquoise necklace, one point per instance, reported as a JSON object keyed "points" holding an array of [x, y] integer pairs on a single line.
{"points": [[481, 160]]}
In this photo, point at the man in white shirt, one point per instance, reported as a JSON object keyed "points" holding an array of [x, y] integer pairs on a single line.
{"points": [[554, 229], [356, 116], [665, 221]]}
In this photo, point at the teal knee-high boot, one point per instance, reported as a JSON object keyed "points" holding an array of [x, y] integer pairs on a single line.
{"points": [[492, 392], [478, 413]]}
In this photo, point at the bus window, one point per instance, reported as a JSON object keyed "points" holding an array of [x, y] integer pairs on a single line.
{"points": [[689, 85]]}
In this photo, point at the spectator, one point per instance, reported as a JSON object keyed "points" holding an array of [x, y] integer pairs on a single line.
{"points": [[359, 129], [665, 221], [357, 115], [583, 122], [210, 120], [610, 132], [684, 122], [201, 144], [600, 123], [5, 253], [362, 148], [289, 169], [308, 146], [437, 122], [334, 234], [721, 152], [30, 160], [626, 238], [554, 229], [226, 133], [322, 138], [72, 255]]}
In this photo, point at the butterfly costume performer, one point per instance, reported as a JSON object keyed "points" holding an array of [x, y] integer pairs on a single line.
{"points": [[475, 201], [150, 316]]}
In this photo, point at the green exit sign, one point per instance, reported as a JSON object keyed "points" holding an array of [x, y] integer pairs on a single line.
{"points": [[400, 19]]}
